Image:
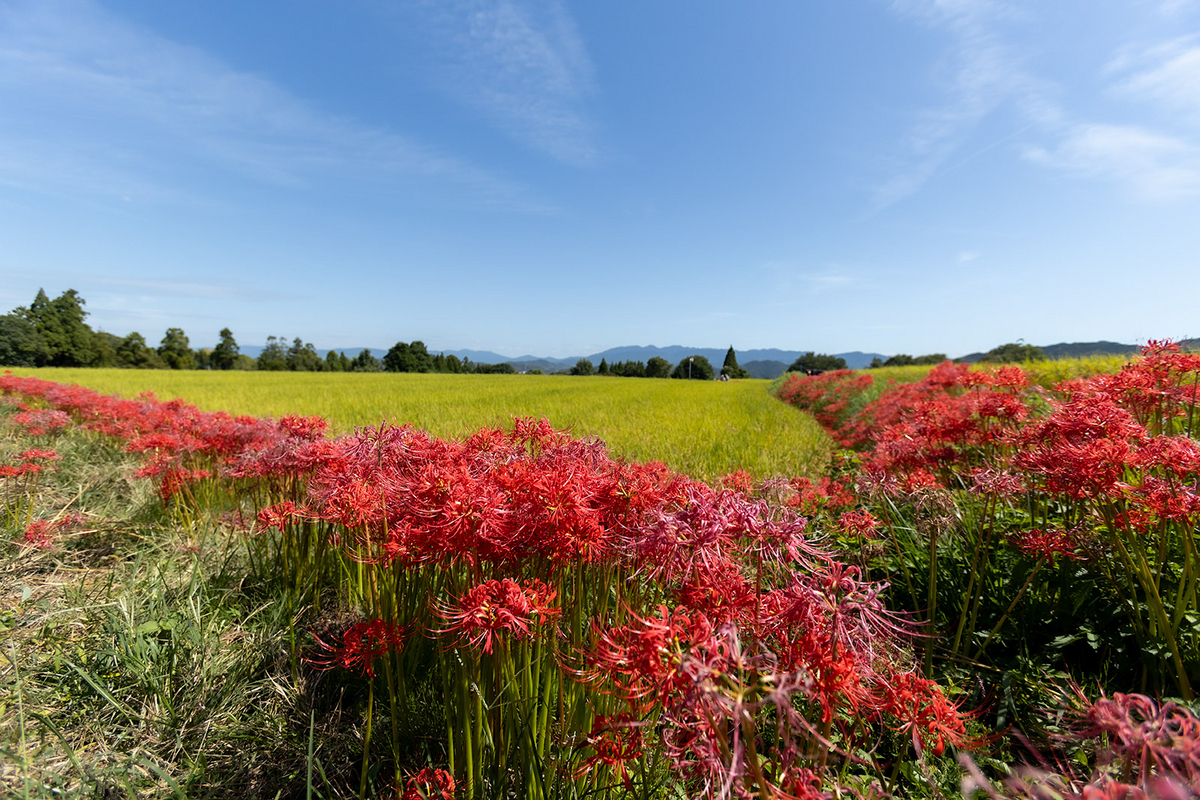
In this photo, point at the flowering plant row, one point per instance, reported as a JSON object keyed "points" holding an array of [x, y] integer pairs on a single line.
{"points": [[586, 622], [1017, 520]]}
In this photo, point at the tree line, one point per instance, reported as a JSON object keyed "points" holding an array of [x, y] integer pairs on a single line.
{"points": [[55, 333]]}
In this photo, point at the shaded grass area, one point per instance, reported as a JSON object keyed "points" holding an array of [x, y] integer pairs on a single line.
{"points": [[701, 428], [136, 660]]}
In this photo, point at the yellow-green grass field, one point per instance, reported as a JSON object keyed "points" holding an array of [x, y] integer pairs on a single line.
{"points": [[702, 428]]}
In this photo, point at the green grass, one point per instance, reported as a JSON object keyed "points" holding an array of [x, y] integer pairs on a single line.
{"points": [[702, 428]]}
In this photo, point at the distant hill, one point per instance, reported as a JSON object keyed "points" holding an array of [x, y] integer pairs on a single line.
{"points": [[1075, 350]]}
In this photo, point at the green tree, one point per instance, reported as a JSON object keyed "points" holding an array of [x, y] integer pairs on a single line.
{"points": [[817, 362], [273, 357], [695, 367], [365, 362], [21, 345], [225, 354], [332, 362], [454, 364], [413, 357], [175, 350], [503, 368], [1014, 353], [658, 367], [302, 357], [603, 369], [583, 367], [61, 324], [731, 368], [134, 353]]}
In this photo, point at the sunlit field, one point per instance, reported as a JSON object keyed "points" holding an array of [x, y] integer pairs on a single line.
{"points": [[702, 428]]}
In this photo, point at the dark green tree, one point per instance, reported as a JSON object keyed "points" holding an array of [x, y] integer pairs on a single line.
{"points": [[21, 345], [658, 367], [502, 368], [817, 362], [1013, 353], [134, 353], [61, 324], [583, 367], [454, 364], [695, 367], [603, 368], [413, 357], [302, 357], [273, 357], [225, 354], [365, 362], [175, 350], [332, 362], [731, 368]]}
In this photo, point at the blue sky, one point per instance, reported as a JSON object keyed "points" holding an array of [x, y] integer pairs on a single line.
{"points": [[560, 178]]}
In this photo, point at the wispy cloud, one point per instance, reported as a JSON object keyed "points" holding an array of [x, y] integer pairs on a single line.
{"points": [[1157, 167], [1167, 74], [92, 104], [1152, 157], [523, 66], [981, 72]]}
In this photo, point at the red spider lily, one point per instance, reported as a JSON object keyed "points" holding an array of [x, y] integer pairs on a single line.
{"points": [[860, 523], [1082, 449], [1047, 543], [1147, 738], [721, 591], [40, 533], [998, 483], [29, 462], [738, 481], [42, 422], [641, 659], [361, 644], [923, 711], [278, 516], [614, 741], [429, 784], [497, 607]]}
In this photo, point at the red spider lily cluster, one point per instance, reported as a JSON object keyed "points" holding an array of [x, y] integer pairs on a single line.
{"points": [[1144, 751], [429, 784], [40, 533], [28, 462], [183, 444], [580, 607], [1105, 468], [41, 422]]}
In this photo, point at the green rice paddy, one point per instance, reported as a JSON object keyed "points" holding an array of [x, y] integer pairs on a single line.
{"points": [[702, 428]]}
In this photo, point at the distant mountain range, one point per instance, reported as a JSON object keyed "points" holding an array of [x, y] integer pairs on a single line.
{"points": [[769, 363], [1081, 349]]}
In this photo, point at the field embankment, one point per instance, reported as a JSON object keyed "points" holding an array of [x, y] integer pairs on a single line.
{"points": [[700, 428]]}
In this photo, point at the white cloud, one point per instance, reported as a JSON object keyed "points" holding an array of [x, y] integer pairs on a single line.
{"points": [[523, 66], [1147, 154], [92, 104], [981, 73], [1167, 74], [1156, 167], [966, 256]]}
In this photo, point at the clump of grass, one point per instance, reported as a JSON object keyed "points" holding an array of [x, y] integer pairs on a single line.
{"points": [[136, 661]]}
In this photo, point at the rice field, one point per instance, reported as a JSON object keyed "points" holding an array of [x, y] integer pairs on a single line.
{"points": [[702, 428]]}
